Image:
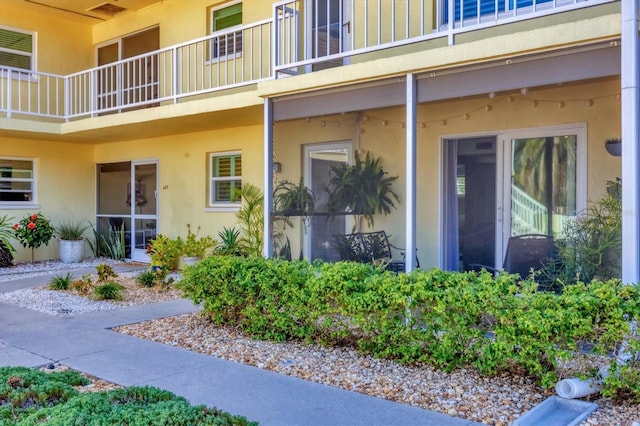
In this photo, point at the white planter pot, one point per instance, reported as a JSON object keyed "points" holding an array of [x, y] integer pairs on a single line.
{"points": [[189, 260], [71, 251]]}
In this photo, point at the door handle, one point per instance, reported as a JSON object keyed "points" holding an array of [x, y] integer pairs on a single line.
{"points": [[348, 26]]}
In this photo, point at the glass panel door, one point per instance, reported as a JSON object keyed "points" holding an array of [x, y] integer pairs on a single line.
{"points": [[330, 26], [143, 201], [543, 184], [470, 202], [529, 182], [127, 207], [114, 215], [319, 159]]}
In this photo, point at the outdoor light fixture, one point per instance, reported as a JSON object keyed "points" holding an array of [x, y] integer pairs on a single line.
{"points": [[613, 147]]}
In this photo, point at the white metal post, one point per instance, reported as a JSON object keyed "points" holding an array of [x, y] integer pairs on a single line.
{"points": [[630, 101], [268, 178], [411, 147]]}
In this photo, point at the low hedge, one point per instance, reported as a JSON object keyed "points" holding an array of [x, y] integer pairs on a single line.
{"points": [[445, 319], [31, 397]]}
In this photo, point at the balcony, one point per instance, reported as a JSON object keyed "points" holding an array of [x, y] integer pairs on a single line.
{"points": [[294, 41]]}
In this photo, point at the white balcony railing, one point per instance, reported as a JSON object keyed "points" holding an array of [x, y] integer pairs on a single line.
{"points": [[221, 60], [31, 93], [295, 40], [528, 216]]}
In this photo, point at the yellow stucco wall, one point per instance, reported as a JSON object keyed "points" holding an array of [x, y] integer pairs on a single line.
{"points": [[64, 45], [182, 167], [179, 20], [65, 183]]}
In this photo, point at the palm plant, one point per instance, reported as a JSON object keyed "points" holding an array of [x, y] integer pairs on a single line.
{"points": [[6, 248], [229, 242], [251, 219], [362, 188]]}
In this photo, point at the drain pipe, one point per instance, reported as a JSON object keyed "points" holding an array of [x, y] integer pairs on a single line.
{"points": [[577, 388]]}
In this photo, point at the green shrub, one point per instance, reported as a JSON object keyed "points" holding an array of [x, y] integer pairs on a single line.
{"points": [[82, 285], [105, 271], [109, 291], [24, 391], [146, 278], [31, 397], [60, 282], [446, 319], [264, 297], [133, 406]]}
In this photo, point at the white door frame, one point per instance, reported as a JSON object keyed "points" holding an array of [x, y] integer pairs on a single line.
{"points": [[137, 254], [503, 195], [503, 176], [324, 146]]}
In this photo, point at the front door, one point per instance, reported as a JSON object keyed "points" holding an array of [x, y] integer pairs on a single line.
{"points": [[525, 182], [144, 207], [320, 236], [127, 208]]}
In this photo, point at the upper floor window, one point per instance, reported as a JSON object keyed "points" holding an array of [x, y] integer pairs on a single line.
{"points": [[16, 48], [17, 180], [225, 171], [229, 43], [473, 9]]}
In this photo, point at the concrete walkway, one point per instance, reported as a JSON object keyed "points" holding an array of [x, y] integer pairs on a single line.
{"points": [[85, 343]]}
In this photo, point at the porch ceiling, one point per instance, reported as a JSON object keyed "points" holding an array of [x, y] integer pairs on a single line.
{"points": [[536, 70], [92, 11]]}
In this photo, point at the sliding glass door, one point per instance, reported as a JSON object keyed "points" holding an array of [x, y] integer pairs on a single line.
{"points": [[526, 182]]}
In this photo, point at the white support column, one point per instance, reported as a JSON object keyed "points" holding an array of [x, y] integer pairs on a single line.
{"points": [[630, 108], [410, 197], [267, 250]]}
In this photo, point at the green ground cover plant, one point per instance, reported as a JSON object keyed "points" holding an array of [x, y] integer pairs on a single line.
{"points": [[61, 282], [146, 278], [445, 319], [109, 291], [31, 397]]}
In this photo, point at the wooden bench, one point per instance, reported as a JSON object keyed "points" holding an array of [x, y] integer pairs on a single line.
{"points": [[370, 247]]}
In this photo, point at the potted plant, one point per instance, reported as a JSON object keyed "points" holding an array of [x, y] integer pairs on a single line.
{"points": [[164, 253], [6, 248], [292, 199], [362, 188], [193, 248], [229, 244], [32, 231], [71, 237]]}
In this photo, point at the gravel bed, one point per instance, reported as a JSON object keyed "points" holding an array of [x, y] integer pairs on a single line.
{"points": [[69, 303], [55, 302], [462, 393], [48, 267]]}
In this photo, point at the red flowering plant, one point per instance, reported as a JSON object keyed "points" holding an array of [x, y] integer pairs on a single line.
{"points": [[33, 231]]}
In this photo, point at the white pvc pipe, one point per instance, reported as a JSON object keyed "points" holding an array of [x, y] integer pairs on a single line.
{"points": [[577, 388]]}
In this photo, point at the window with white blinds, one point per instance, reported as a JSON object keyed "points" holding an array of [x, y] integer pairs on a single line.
{"points": [[17, 181], [229, 44], [16, 48], [225, 178]]}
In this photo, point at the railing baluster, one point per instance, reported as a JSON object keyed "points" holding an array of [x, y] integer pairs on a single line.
{"points": [[9, 93], [393, 22]]}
